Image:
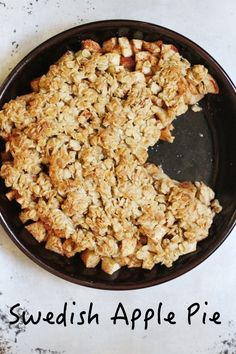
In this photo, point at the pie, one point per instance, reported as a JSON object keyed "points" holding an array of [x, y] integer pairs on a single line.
{"points": [[76, 151]]}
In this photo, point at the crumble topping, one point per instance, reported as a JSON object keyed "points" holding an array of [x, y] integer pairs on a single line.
{"points": [[76, 152]]}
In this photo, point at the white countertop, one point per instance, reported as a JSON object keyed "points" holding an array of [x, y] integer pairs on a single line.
{"points": [[23, 25]]}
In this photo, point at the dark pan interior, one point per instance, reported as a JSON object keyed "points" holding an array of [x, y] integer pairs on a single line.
{"points": [[204, 149]]}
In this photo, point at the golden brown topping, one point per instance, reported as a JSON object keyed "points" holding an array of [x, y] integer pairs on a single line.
{"points": [[76, 152]]}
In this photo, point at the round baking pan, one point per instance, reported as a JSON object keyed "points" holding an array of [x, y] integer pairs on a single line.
{"points": [[204, 149]]}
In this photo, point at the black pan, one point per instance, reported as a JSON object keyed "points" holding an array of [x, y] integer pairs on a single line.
{"points": [[204, 149]]}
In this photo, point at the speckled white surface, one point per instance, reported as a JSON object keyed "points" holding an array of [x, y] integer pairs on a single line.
{"points": [[23, 25]]}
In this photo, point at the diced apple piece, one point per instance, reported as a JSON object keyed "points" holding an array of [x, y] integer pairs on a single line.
{"points": [[152, 47], [69, 248], [166, 134], [137, 45], [134, 262], [192, 99], [188, 247], [109, 45], [109, 266], [155, 88], [126, 49], [90, 259], [113, 59], [159, 233], [128, 246], [11, 195], [38, 230], [54, 244], [211, 85]]}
